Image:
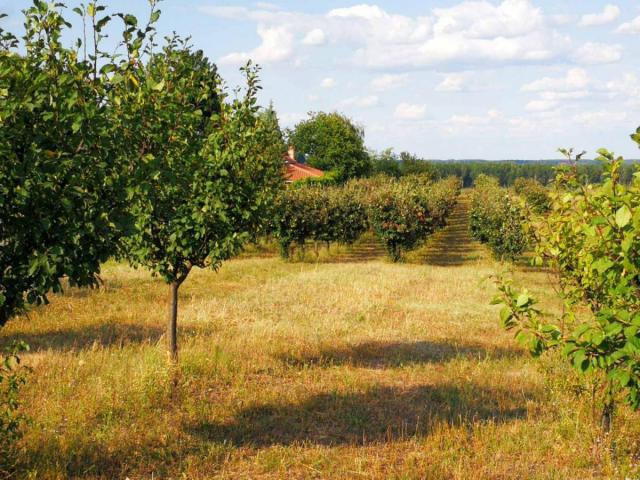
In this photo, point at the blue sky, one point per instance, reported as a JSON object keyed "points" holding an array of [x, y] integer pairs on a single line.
{"points": [[449, 79]]}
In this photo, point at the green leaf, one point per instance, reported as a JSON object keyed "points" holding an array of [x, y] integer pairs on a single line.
{"points": [[623, 216], [505, 315], [522, 300], [158, 87]]}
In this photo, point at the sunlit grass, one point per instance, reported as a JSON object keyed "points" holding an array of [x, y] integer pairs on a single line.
{"points": [[353, 368]]}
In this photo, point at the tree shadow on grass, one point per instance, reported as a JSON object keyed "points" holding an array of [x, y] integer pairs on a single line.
{"points": [[104, 335], [396, 354], [381, 414]]}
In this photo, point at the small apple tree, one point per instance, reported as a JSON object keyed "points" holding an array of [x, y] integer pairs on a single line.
{"points": [[208, 167]]}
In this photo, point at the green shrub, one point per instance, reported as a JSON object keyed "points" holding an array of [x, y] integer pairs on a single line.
{"points": [[590, 240], [535, 195], [497, 219], [401, 213]]}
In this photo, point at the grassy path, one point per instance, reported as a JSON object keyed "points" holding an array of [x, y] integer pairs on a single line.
{"points": [[351, 369], [453, 245]]}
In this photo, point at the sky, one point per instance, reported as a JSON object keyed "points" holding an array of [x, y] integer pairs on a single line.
{"points": [[511, 79]]}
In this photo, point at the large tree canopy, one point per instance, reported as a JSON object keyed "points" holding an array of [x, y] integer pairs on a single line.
{"points": [[62, 194], [331, 141]]}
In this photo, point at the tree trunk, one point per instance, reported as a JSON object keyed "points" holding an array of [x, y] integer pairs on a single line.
{"points": [[172, 330], [607, 417]]}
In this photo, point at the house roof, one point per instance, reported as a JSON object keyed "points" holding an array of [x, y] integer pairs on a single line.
{"points": [[298, 171]]}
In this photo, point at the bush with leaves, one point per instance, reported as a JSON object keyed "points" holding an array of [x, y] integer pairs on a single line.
{"points": [[320, 214], [497, 219], [12, 378], [421, 207], [535, 195], [591, 240], [401, 212]]}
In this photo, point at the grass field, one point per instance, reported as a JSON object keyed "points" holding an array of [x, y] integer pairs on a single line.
{"points": [[350, 367]]}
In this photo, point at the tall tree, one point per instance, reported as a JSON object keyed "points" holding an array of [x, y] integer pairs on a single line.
{"points": [[269, 117], [331, 141], [208, 168]]}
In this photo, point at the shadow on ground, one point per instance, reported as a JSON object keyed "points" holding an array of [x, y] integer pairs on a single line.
{"points": [[395, 354], [105, 335], [382, 414]]}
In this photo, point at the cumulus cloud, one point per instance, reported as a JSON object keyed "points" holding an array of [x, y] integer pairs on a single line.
{"points": [[389, 81], [575, 79], [328, 83], [592, 53], [409, 111], [626, 89], [609, 14], [276, 46], [471, 32], [452, 82], [315, 37], [551, 91], [632, 27]]}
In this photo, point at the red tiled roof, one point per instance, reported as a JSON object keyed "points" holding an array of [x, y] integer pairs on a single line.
{"points": [[298, 171]]}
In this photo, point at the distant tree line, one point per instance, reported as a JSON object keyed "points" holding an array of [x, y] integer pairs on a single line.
{"points": [[507, 172]]}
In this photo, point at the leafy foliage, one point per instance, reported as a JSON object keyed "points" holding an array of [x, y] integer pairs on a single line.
{"points": [[208, 166], [497, 219], [331, 141], [62, 180], [535, 195], [401, 213], [591, 239], [12, 378], [321, 214]]}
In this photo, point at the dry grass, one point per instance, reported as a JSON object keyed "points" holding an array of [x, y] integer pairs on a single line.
{"points": [[339, 369]]}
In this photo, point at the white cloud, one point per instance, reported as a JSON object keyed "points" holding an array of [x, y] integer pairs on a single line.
{"points": [[471, 32], [368, 12], [576, 78], [408, 111], [592, 53], [609, 14], [276, 46], [315, 37], [389, 82], [328, 83], [556, 96], [452, 82], [630, 27], [575, 85], [466, 123], [541, 105], [368, 101], [626, 89]]}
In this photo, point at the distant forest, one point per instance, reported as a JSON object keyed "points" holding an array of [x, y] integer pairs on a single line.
{"points": [[507, 171]]}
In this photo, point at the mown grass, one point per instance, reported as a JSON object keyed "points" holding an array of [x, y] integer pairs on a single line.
{"points": [[353, 368]]}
